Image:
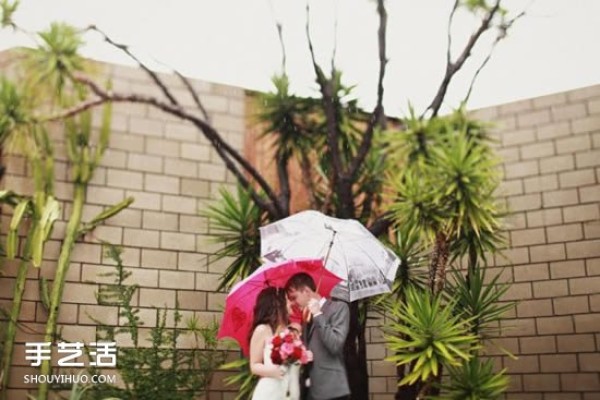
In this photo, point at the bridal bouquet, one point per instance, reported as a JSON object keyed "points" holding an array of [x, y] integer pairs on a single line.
{"points": [[288, 349]]}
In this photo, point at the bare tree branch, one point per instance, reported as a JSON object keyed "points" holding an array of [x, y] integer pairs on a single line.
{"points": [[279, 28], [224, 149], [381, 224], [153, 75], [453, 67], [378, 113], [284, 182], [306, 168], [328, 101], [449, 50], [503, 31], [190, 88]]}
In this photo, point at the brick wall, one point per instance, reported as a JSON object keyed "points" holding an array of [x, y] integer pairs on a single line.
{"points": [[172, 172], [551, 162]]}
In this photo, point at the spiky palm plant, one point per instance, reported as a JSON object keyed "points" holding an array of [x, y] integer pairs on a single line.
{"points": [[235, 221], [479, 300], [445, 193], [427, 335], [474, 380]]}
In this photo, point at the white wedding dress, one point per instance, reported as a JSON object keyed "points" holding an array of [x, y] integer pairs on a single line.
{"points": [[278, 389]]}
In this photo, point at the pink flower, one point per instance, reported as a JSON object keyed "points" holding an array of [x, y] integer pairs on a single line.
{"points": [[287, 349]]}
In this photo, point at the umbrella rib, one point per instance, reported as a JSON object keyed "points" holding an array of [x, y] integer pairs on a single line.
{"points": [[347, 264]]}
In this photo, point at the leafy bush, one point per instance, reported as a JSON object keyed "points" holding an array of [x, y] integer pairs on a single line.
{"points": [[160, 370]]}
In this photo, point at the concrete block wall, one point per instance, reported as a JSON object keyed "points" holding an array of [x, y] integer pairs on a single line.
{"points": [[550, 160], [550, 148], [172, 172]]}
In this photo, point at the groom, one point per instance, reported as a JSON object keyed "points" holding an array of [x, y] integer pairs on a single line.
{"points": [[325, 336]]}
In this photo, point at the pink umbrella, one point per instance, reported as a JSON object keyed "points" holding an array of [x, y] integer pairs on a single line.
{"points": [[239, 305]]}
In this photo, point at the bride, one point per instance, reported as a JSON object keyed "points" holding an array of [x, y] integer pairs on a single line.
{"points": [[276, 382]]}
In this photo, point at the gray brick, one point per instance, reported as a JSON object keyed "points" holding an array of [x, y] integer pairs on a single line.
{"points": [[162, 147], [160, 221], [542, 183], [177, 241], [144, 200], [511, 188], [146, 163], [521, 136], [560, 198], [195, 188], [577, 178], [179, 204], [124, 179], [588, 159], [589, 194], [141, 238], [550, 100], [557, 164], [181, 168], [526, 202], [533, 118], [146, 126], [197, 152], [585, 125], [588, 212], [182, 131], [550, 252], [552, 131], [584, 249], [584, 93], [161, 184], [515, 107], [537, 150], [521, 169], [564, 233], [569, 111]]}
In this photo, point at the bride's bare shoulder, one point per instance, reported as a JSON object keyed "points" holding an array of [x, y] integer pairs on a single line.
{"points": [[263, 329]]}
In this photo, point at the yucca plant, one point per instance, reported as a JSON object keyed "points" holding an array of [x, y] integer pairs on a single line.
{"points": [[242, 377], [235, 221], [426, 334], [445, 194], [479, 300], [447, 189], [474, 380]]}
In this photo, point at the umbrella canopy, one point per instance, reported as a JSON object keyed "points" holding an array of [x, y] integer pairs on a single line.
{"points": [[350, 251], [239, 304]]}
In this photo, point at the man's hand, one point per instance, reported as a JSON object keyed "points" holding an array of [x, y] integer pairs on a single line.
{"points": [[314, 307]]}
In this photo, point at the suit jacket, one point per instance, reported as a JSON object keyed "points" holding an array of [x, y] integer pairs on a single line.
{"points": [[326, 339]]}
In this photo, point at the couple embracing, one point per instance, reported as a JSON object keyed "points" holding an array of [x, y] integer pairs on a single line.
{"points": [[324, 377]]}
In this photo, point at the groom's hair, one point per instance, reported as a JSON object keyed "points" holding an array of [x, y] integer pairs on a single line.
{"points": [[300, 281]]}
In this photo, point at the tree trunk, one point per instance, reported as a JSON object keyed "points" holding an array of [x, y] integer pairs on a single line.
{"points": [[356, 356]]}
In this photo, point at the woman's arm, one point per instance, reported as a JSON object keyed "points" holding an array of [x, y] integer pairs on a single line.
{"points": [[257, 345]]}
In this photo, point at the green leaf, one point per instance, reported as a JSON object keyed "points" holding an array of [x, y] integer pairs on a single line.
{"points": [[12, 237]]}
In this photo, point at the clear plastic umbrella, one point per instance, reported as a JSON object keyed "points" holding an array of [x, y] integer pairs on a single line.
{"points": [[349, 250]]}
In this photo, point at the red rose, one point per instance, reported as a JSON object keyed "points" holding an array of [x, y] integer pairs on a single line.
{"points": [[276, 357], [297, 354], [277, 341], [289, 338]]}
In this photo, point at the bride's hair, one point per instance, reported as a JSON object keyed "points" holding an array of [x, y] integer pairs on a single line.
{"points": [[270, 309]]}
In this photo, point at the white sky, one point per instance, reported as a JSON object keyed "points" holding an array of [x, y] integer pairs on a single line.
{"points": [[554, 48]]}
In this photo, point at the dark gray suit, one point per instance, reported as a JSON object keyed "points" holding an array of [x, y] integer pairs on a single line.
{"points": [[326, 338]]}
